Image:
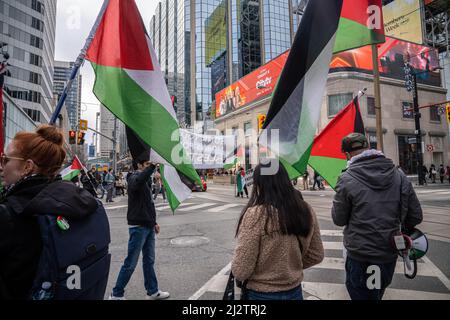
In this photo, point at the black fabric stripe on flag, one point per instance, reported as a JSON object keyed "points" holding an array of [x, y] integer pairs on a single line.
{"points": [[318, 25]]}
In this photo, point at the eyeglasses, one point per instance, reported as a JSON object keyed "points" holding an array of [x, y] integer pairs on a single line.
{"points": [[4, 159]]}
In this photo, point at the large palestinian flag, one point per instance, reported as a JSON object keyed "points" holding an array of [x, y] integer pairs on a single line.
{"points": [[130, 84], [326, 155], [361, 24], [295, 108]]}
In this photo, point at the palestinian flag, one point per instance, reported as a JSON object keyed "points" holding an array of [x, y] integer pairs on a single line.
{"points": [[361, 24], [178, 187], [130, 84], [72, 170], [232, 160], [326, 155], [295, 108]]}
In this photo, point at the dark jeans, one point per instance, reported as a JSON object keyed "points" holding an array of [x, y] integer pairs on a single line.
{"points": [[110, 190], [241, 194], [293, 294], [356, 279], [141, 239]]}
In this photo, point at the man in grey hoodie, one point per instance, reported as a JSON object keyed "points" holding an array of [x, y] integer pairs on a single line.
{"points": [[370, 196]]}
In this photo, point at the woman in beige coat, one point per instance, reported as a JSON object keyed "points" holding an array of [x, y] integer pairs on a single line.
{"points": [[278, 237]]}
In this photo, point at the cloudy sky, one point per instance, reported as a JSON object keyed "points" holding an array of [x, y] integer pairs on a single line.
{"points": [[75, 19]]}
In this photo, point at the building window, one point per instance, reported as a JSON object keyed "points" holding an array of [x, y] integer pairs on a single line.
{"points": [[372, 140], [33, 114], [371, 106], [434, 114], [337, 102], [248, 129], [407, 110]]}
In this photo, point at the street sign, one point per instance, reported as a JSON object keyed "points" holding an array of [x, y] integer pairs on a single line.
{"points": [[412, 140], [430, 147], [83, 125]]}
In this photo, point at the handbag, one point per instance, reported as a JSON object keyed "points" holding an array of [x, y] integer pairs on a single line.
{"points": [[229, 293]]}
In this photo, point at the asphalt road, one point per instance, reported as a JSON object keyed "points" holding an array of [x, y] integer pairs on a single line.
{"points": [[196, 244]]}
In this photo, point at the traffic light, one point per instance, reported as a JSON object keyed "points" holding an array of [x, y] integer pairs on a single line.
{"points": [[448, 113], [261, 120], [72, 136], [81, 138]]}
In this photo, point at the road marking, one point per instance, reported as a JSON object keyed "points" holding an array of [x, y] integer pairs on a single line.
{"points": [[424, 269], [211, 281], [331, 233], [222, 208], [335, 291], [116, 207], [166, 206], [437, 272], [203, 205], [331, 245]]}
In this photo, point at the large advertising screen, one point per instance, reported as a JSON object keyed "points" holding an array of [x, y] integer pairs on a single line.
{"points": [[261, 82], [216, 33], [392, 55], [402, 20], [254, 86]]}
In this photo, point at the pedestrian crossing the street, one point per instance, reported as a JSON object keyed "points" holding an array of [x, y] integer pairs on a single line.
{"points": [[326, 281]]}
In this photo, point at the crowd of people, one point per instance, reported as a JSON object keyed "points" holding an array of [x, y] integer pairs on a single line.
{"points": [[433, 173], [278, 234]]}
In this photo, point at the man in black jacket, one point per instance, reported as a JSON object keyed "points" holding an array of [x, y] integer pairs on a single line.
{"points": [[371, 195], [141, 218]]}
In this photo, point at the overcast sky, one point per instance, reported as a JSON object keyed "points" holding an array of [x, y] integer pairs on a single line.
{"points": [[74, 21]]}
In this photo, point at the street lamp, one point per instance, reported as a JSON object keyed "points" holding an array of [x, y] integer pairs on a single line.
{"points": [[411, 85]]}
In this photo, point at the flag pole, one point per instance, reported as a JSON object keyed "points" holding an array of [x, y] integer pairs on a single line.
{"points": [[376, 85], [78, 63]]}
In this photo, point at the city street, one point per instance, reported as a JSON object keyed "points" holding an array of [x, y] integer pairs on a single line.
{"points": [[196, 244]]}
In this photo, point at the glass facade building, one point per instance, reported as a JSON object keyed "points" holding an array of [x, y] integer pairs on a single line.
{"points": [[27, 33], [61, 76], [232, 38]]}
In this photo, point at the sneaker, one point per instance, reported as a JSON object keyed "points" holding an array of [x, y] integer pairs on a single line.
{"points": [[111, 297], [158, 295]]}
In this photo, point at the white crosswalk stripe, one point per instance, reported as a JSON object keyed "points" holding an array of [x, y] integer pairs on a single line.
{"points": [[224, 207], [200, 206], [338, 291]]}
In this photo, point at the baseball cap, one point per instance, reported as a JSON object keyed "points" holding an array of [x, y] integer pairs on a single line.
{"points": [[354, 141]]}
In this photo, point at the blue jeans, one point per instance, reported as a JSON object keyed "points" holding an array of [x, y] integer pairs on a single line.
{"points": [[141, 239], [293, 294], [357, 275]]}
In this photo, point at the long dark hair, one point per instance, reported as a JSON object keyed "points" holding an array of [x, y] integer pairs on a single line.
{"points": [[278, 198]]}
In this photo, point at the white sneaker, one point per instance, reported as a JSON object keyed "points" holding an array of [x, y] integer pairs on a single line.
{"points": [[158, 295], [111, 297]]}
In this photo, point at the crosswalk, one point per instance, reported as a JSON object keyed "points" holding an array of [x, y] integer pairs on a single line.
{"points": [[326, 280], [213, 207], [433, 191]]}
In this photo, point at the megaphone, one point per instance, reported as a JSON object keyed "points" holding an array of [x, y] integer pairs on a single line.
{"points": [[419, 247]]}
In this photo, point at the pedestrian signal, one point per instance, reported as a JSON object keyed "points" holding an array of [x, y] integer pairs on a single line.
{"points": [[261, 120], [72, 137], [81, 138], [448, 113]]}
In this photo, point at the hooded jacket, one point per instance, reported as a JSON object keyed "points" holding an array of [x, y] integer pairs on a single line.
{"points": [[369, 199], [20, 238]]}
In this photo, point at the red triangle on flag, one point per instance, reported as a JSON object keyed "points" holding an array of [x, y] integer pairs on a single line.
{"points": [[120, 40], [76, 164], [328, 142]]}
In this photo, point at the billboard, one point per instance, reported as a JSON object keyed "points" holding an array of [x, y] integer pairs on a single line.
{"points": [[216, 33], [261, 82], [254, 86], [392, 54], [402, 20]]}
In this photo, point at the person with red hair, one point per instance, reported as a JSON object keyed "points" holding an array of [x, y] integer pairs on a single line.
{"points": [[29, 170]]}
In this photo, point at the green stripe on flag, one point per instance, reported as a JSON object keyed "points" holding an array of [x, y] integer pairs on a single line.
{"points": [[143, 114], [329, 168], [352, 34], [70, 175]]}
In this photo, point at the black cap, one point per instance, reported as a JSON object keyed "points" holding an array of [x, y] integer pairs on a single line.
{"points": [[354, 141]]}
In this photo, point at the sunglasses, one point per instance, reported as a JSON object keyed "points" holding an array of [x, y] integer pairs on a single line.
{"points": [[4, 159]]}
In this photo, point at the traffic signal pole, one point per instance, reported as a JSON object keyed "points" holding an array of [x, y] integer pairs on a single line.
{"points": [[418, 132]]}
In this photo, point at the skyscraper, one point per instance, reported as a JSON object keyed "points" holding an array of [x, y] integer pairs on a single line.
{"points": [[232, 38], [61, 76], [27, 33]]}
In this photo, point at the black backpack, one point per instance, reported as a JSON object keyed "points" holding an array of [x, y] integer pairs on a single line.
{"points": [[73, 250]]}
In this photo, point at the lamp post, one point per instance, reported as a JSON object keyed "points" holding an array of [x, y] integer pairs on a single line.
{"points": [[411, 85]]}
